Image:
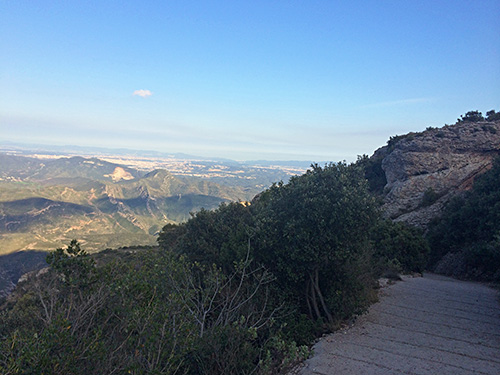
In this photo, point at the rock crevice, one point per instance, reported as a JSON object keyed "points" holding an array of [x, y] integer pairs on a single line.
{"points": [[424, 170]]}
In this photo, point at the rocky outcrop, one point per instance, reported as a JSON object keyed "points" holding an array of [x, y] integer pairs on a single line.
{"points": [[424, 170]]}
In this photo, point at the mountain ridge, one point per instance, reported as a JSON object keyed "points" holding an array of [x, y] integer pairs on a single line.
{"points": [[46, 203], [425, 170]]}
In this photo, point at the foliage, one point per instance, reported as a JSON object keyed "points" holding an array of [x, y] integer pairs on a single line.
{"points": [[311, 228], [312, 234], [374, 173], [471, 116], [111, 319], [169, 235], [153, 313], [429, 197], [220, 236], [471, 224], [73, 264], [492, 115], [394, 140], [399, 247]]}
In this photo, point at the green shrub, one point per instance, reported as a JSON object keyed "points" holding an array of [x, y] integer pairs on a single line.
{"points": [[471, 116], [492, 115], [429, 197], [482, 261], [373, 173], [311, 230], [399, 246], [469, 226]]}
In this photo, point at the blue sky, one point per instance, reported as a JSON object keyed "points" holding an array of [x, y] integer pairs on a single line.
{"points": [[302, 80]]}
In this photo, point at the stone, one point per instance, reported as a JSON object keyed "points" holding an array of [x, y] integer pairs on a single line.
{"points": [[425, 170]]}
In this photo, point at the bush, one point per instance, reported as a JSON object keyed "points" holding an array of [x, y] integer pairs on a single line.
{"points": [[492, 115], [471, 116], [155, 313], [212, 237], [483, 261], [399, 247], [470, 225], [311, 230], [373, 173], [477, 262], [429, 197]]}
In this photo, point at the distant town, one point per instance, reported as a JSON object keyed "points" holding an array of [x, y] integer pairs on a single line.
{"points": [[179, 165]]}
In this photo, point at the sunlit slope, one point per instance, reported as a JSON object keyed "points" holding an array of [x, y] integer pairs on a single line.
{"points": [[99, 203]]}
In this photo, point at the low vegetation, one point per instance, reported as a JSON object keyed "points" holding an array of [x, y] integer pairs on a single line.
{"points": [[476, 116], [399, 248], [465, 240]]}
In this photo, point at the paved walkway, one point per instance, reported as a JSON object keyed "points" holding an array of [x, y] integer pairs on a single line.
{"points": [[423, 325]]}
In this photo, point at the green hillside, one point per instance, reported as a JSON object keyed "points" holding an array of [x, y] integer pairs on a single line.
{"points": [[45, 204], [25, 168]]}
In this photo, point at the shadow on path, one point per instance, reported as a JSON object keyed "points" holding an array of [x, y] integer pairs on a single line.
{"points": [[423, 325]]}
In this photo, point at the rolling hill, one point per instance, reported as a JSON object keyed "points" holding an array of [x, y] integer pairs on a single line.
{"points": [[46, 203]]}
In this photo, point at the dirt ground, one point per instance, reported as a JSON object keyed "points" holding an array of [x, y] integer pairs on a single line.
{"points": [[421, 325]]}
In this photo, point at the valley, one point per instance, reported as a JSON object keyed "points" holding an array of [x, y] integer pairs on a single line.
{"points": [[48, 198]]}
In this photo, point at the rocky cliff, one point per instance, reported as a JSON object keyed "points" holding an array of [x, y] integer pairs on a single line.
{"points": [[424, 170]]}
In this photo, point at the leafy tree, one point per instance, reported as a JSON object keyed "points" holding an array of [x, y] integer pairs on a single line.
{"points": [[471, 116], [212, 237], [312, 229], [492, 115], [170, 235], [73, 263]]}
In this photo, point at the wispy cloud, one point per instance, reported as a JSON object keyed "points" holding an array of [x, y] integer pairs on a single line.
{"points": [[400, 102], [142, 93]]}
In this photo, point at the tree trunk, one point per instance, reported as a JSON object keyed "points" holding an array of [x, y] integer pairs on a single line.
{"points": [[308, 297], [313, 297], [320, 296]]}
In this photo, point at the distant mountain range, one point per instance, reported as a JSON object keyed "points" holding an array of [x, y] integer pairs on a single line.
{"points": [[28, 149], [44, 203]]}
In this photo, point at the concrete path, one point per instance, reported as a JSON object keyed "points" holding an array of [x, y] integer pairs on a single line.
{"points": [[422, 325]]}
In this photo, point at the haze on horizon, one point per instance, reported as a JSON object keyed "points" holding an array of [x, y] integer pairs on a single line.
{"points": [[289, 80]]}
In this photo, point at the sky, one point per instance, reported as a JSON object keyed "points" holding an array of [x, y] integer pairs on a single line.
{"points": [[261, 79]]}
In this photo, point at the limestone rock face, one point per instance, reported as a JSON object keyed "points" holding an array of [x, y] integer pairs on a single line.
{"points": [[424, 170]]}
